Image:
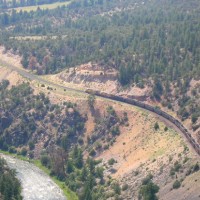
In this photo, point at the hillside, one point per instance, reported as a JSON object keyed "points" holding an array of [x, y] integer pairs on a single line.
{"points": [[96, 77], [51, 52], [138, 150]]}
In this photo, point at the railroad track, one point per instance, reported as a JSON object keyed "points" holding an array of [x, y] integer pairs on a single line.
{"points": [[150, 108], [34, 77]]}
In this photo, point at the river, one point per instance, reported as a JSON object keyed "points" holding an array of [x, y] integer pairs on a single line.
{"points": [[36, 185]]}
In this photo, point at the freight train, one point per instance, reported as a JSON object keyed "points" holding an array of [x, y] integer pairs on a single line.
{"points": [[176, 122]]}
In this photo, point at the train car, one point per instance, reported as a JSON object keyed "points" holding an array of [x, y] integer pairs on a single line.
{"points": [[148, 107], [193, 141], [165, 115], [189, 135], [196, 145], [129, 101], [90, 91], [158, 111], [106, 95]]}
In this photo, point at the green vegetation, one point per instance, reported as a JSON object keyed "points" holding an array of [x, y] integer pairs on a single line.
{"points": [[23, 112], [124, 187], [148, 189], [177, 166], [91, 101], [68, 193], [24, 117], [111, 161], [10, 187], [176, 184], [107, 128], [156, 126], [79, 176]]}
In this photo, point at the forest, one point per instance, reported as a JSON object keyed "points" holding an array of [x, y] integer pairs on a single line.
{"points": [[144, 42]]}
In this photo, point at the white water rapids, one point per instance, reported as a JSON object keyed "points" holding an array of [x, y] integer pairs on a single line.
{"points": [[36, 185]]}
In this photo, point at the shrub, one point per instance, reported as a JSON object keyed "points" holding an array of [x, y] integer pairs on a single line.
{"points": [[105, 147], [91, 100], [148, 191], [172, 172], [146, 180], [111, 111], [45, 160], [116, 188], [12, 150], [111, 161], [124, 187], [92, 152], [31, 145], [196, 167], [176, 184], [80, 141], [23, 152], [156, 126], [185, 159], [177, 166], [194, 118], [115, 130]]}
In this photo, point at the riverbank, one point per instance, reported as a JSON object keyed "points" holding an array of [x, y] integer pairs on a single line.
{"points": [[66, 191]]}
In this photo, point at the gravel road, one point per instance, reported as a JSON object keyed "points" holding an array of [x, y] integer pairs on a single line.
{"points": [[36, 185]]}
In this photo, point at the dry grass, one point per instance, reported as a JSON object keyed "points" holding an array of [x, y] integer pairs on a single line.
{"points": [[44, 37], [13, 77], [43, 7], [139, 142]]}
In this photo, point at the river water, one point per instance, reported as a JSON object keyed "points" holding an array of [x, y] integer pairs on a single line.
{"points": [[36, 185]]}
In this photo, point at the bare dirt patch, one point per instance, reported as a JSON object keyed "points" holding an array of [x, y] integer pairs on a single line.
{"points": [[13, 77], [88, 76], [97, 77], [10, 57], [139, 142]]}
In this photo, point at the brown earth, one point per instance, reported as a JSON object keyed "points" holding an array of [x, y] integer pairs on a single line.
{"points": [[13, 77], [10, 57]]}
